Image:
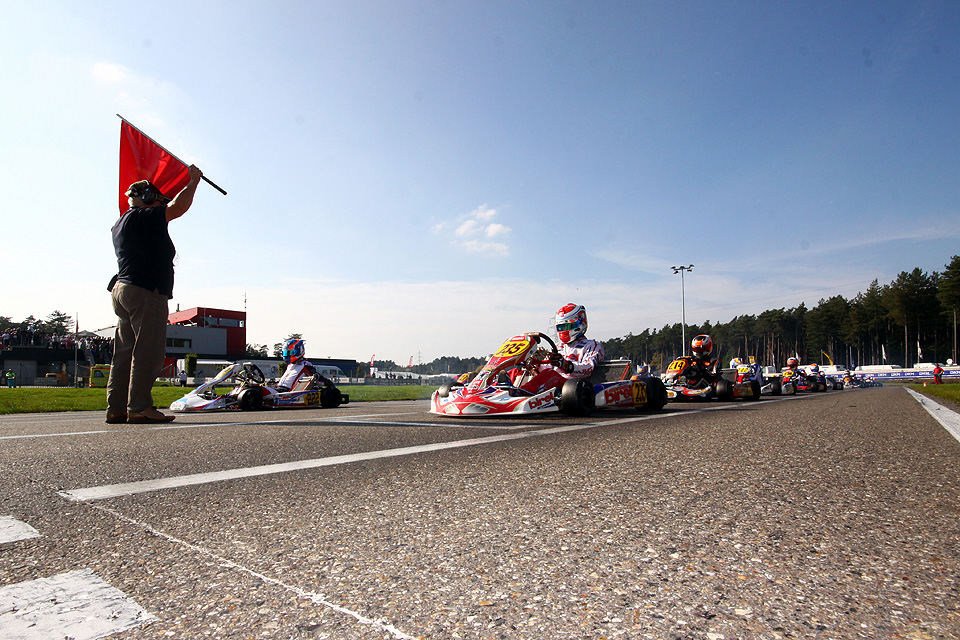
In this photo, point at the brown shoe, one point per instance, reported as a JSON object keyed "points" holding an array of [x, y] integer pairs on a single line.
{"points": [[148, 416], [116, 418]]}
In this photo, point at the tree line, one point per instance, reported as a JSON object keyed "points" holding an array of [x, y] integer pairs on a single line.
{"points": [[911, 319]]}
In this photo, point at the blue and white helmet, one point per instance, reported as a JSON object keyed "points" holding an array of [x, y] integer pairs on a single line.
{"points": [[571, 322], [293, 350]]}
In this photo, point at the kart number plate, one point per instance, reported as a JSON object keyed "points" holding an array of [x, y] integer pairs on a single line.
{"points": [[511, 348], [677, 365], [639, 394], [744, 369]]}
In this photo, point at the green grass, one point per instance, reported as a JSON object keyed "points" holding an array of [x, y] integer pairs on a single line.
{"points": [[60, 399], [948, 391]]}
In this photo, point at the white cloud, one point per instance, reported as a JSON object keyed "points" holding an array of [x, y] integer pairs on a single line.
{"points": [[475, 226], [467, 229], [483, 212], [496, 229]]}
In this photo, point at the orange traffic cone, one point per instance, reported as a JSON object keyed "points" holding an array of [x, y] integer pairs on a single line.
{"points": [[924, 383]]}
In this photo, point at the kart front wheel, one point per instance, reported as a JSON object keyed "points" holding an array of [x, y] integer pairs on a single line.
{"points": [[656, 394], [776, 387], [576, 397], [250, 399], [724, 390]]}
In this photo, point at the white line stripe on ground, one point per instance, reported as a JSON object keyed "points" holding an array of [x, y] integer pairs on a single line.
{"points": [[12, 530], [128, 488], [949, 419], [195, 425], [316, 598], [78, 605]]}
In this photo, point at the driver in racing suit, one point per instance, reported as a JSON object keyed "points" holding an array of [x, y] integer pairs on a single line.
{"points": [[577, 357], [298, 366], [702, 371]]}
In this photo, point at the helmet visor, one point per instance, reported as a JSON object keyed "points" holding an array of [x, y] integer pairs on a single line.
{"points": [[567, 326]]}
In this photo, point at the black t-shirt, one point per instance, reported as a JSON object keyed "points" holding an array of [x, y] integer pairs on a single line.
{"points": [[144, 249]]}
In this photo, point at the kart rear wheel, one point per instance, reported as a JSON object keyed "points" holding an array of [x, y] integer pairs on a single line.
{"points": [[755, 390], [250, 399], [776, 387], [576, 397], [656, 394]]}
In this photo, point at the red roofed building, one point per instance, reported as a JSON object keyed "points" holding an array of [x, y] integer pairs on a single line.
{"points": [[228, 330]]}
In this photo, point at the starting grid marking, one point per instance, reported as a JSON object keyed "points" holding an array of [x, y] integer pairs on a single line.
{"points": [[12, 530], [77, 604]]}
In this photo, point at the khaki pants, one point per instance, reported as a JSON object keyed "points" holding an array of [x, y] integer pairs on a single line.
{"points": [[139, 347]]}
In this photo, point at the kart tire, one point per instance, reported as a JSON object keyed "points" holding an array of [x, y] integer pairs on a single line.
{"points": [[724, 390], [656, 394], [444, 390], [776, 387], [755, 389], [250, 399], [330, 397], [576, 397]]}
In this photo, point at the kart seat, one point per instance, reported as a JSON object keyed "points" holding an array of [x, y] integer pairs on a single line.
{"points": [[303, 384], [611, 371]]}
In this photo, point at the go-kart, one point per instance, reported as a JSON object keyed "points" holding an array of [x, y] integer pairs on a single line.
{"points": [[682, 383], [807, 381], [779, 384], [251, 394], [492, 392]]}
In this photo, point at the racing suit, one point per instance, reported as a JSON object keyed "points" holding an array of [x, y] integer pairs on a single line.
{"points": [[580, 359], [293, 374], [700, 373]]}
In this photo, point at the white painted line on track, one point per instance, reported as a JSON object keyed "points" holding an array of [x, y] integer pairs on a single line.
{"points": [[316, 598], [78, 605], [128, 488], [12, 530], [197, 425], [949, 419]]}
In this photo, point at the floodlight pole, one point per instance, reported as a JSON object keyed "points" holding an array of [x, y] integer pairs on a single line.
{"points": [[683, 307]]}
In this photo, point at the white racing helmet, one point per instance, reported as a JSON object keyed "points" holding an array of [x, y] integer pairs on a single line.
{"points": [[571, 322]]}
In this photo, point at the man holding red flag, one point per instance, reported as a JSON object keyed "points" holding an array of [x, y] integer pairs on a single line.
{"points": [[140, 291]]}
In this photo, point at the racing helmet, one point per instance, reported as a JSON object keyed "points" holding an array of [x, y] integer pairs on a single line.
{"points": [[736, 362], [814, 368], [702, 346], [792, 363], [571, 322], [293, 350]]}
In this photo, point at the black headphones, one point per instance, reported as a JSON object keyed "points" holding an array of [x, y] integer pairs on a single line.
{"points": [[144, 190]]}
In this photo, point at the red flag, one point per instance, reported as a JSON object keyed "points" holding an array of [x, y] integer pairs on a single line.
{"points": [[143, 159]]}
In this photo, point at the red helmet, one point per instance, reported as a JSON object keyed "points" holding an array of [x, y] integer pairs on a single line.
{"points": [[571, 322], [702, 346], [792, 363]]}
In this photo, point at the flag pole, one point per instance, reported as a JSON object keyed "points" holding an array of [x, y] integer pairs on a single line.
{"points": [[204, 178]]}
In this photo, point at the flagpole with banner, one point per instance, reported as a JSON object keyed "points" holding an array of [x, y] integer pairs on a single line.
{"points": [[142, 158]]}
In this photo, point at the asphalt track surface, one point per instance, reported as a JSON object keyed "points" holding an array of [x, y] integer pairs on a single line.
{"points": [[832, 515]]}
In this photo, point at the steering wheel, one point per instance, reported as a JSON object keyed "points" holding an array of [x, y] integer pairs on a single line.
{"points": [[253, 373], [537, 359]]}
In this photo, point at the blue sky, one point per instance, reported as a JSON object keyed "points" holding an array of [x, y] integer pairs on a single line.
{"points": [[429, 178]]}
